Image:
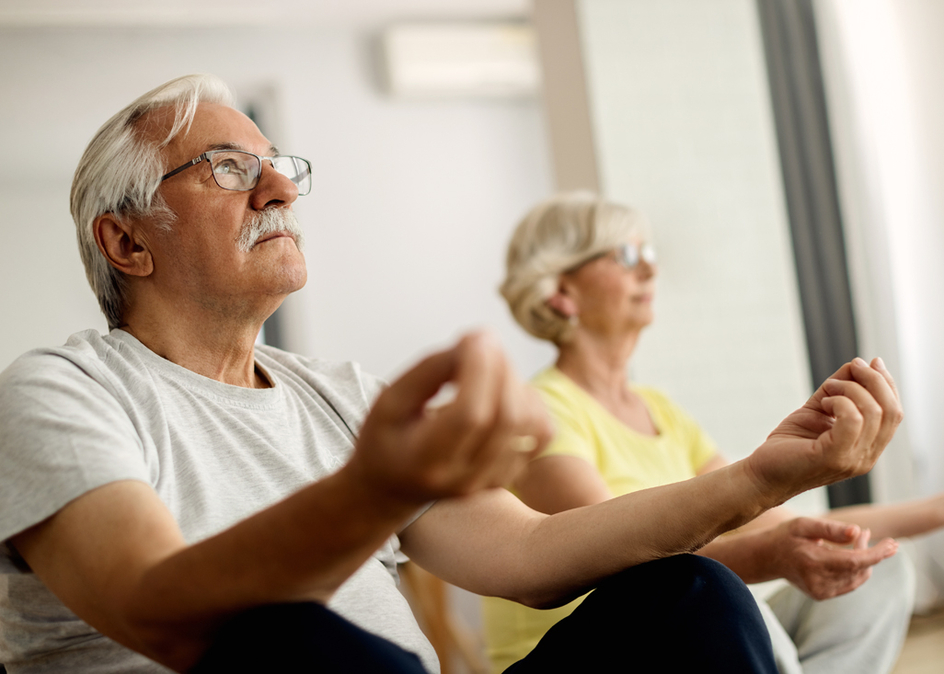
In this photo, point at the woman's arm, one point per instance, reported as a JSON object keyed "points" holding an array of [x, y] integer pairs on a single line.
{"points": [[552, 484], [899, 520]]}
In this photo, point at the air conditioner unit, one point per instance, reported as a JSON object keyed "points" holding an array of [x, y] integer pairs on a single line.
{"points": [[440, 60]]}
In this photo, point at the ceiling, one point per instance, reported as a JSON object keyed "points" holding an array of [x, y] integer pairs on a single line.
{"points": [[24, 13]]}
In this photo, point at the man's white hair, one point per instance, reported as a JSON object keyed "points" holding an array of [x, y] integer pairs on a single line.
{"points": [[120, 173]]}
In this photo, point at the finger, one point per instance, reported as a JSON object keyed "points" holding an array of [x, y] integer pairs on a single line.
{"points": [[878, 381], [522, 431], [873, 415], [844, 433], [833, 531], [506, 445], [859, 559], [862, 540], [479, 377], [844, 373], [878, 365], [408, 394]]}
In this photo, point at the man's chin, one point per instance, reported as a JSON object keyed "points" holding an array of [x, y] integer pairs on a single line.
{"points": [[297, 274]]}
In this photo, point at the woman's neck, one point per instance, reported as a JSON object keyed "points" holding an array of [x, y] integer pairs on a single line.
{"points": [[597, 365], [599, 368]]}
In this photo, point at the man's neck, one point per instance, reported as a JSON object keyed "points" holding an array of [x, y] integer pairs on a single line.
{"points": [[223, 352]]}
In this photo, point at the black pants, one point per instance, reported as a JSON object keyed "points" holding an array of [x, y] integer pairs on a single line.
{"points": [[681, 614]]}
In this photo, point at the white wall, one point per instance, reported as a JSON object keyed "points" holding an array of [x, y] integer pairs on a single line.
{"points": [[406, 225], [684, 130]]}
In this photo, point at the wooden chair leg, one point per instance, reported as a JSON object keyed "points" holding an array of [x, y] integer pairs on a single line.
{"points": [[449, 638]]}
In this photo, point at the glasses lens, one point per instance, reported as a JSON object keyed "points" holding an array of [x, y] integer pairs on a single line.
{"points": [[297, 170], [647, 252], [235, 170], [630, 255]]}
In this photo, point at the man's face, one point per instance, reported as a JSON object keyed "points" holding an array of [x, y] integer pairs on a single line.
{"points": [[199, 259]]}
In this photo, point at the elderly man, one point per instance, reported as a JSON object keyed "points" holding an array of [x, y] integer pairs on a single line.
{"points": [[174, 497]]}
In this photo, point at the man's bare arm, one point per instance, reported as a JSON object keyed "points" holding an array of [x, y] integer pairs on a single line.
{"points": [[489, 544], [116, 557]]}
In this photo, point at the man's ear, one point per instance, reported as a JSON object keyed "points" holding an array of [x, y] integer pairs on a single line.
{"points": [[562, 301], [123, 245]]}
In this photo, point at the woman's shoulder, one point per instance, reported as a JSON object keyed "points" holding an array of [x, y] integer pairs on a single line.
{"points": [[554, 385], [564, 399]]}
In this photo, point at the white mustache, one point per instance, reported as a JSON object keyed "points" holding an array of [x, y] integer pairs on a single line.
{"points": [[266, 222]]}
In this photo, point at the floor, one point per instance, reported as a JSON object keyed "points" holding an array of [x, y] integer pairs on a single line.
{"points": [[924, 649]]}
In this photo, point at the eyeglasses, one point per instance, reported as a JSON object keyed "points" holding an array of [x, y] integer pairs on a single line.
{"points": [[628, 256], [239, 171]]}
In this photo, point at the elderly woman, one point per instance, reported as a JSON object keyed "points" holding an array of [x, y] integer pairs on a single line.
{"points": [[581, 274]]}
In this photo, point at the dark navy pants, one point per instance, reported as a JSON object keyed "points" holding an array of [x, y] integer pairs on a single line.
{"points": [[680, 614]]}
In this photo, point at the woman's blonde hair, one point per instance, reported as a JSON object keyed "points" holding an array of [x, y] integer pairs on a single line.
{"points": [[555, 236]]}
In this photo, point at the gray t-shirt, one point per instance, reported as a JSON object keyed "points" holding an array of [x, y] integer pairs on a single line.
{"points": [[106, 408]]}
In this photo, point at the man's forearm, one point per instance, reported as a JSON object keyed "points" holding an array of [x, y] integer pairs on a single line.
{"points": [[156, 594], [654, 523], [304, 547], [547, 560]]}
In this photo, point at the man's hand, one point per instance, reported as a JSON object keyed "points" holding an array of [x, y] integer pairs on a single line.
{"points": [[804, 551], [481, 439], [839, 433]]}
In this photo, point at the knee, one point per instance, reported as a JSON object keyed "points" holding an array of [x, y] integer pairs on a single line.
{"points": [[682, 578], [695, 597], [893, 582], [714, 583]]}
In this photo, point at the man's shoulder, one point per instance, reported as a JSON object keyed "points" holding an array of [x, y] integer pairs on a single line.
{"points": [[86, 350]]}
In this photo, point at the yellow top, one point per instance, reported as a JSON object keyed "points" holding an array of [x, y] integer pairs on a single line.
{"points": [[626, 460]]}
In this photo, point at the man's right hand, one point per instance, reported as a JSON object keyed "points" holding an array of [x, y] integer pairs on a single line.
{"points": [[839, 433], [482, 438]]}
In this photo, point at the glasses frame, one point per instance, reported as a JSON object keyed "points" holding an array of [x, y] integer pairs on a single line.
{"points": [[209, 153], [645, 252]]}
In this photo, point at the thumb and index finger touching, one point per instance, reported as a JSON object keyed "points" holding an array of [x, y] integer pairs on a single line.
{"points": [[483, 382], [843, 534], [467, 365], [863, 402]]}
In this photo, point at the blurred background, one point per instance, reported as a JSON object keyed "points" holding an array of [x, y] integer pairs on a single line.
{"points": [[790, 155]]}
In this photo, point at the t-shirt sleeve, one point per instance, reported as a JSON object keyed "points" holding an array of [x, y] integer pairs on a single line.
{"points": [[700, 447], [62, 434]]}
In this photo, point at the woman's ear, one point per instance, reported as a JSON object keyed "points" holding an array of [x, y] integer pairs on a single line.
{"points": [[562, 301], [123, 245]]}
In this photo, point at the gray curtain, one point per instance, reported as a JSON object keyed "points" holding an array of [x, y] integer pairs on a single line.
{"points": [[799, 103]]}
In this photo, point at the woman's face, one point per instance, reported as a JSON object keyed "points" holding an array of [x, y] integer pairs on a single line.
{"points": [[610, 294]]}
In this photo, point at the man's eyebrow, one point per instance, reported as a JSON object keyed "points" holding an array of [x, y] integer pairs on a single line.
{"points": [[273, 151]]}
